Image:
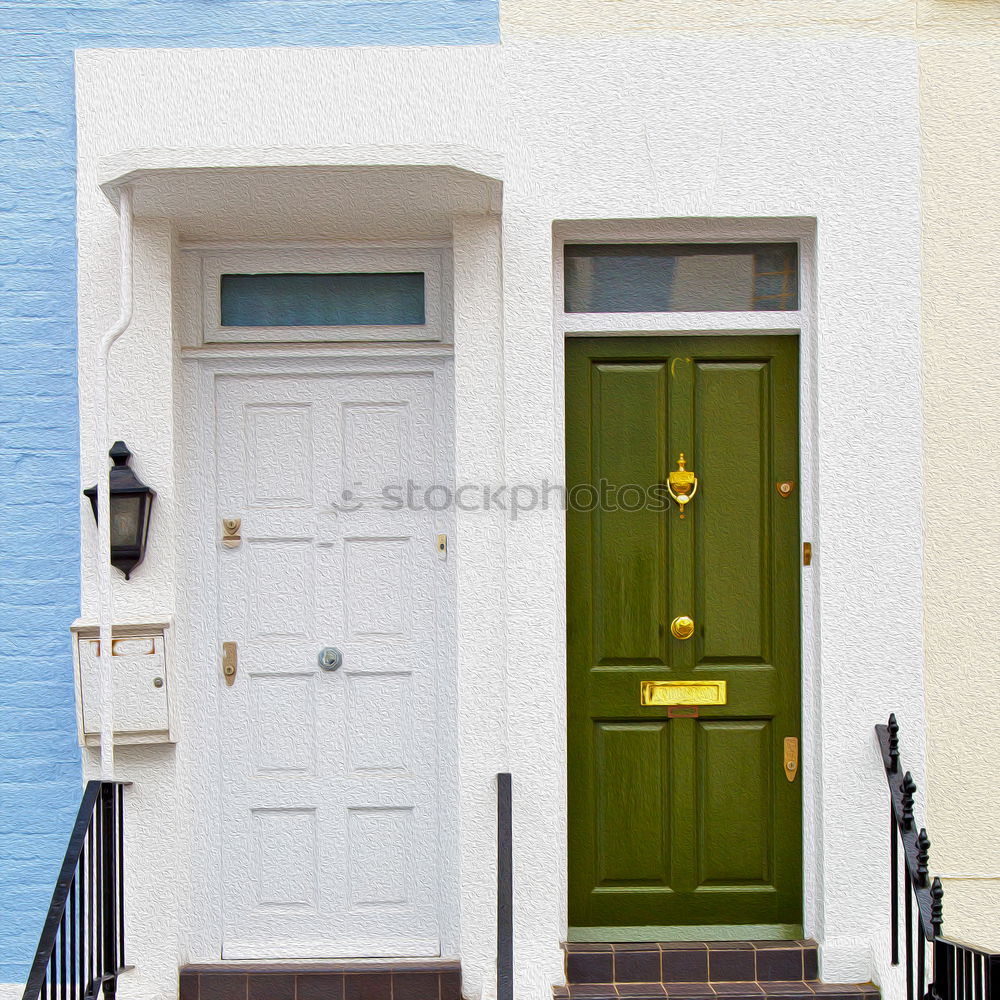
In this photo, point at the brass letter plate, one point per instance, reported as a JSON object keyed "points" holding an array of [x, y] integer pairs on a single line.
{"points": [[682, 693]]}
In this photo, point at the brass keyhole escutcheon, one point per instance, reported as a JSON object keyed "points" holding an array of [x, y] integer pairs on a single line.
{"points": [[682, 627]]}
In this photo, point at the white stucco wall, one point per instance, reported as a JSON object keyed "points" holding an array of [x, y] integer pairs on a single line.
{"points": [[637, 130]]}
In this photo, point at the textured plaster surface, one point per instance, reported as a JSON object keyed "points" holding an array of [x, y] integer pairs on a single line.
{"points": [[39, 432], [180, 96], [961, 377], [481, 603], [637, 130], [681, 132]]}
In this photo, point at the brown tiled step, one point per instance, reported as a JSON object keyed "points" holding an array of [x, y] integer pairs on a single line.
{"points": [[424, 979], [691, 962], [796, 990]]}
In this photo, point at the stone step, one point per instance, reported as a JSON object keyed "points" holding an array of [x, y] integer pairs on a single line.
{"points": [[405, 979], [691, 962], [794, 990]]}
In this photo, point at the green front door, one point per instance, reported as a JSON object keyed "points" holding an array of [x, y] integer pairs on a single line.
{"points": [[682, 819]]}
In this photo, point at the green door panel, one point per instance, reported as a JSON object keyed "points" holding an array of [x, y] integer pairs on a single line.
{"points": [[631, 761], [682, 821], [731, 534], [735, 800], [629, 554]]}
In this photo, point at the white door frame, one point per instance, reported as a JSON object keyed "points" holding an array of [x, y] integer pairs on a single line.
{"points": [[197, 772], [800, 324]]}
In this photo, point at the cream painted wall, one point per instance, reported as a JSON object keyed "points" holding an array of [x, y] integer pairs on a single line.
{"points": [[926, 18], [960, 121]]}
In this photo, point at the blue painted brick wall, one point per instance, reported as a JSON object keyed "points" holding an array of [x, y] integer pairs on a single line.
{"points": [[39, 481]]}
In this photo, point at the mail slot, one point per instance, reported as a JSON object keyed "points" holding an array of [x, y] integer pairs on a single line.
{"points": [[682, 693]]}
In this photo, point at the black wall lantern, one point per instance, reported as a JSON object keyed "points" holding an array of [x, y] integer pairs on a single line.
{"points": [[131, 502]]}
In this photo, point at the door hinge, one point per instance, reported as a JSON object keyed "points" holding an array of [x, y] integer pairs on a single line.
{"points": [[807, 553]]}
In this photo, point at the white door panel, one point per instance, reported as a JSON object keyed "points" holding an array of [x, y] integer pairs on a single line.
{"points": [[329, 778]]}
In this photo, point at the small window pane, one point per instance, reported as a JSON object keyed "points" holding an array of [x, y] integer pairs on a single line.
{"points": [[681, 277], [389, 299]]}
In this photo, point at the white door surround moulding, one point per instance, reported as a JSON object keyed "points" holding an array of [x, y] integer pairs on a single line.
{"points": [[297, 352], [801, 323]]}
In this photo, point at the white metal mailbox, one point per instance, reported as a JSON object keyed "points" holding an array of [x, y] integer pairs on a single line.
{"points": [[142, 689]]}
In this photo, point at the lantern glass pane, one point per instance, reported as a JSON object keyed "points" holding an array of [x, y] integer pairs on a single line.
{"points": [[126, 519]]}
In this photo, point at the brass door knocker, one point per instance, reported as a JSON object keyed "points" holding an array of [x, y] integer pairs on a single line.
{"points": [[682, 485]]}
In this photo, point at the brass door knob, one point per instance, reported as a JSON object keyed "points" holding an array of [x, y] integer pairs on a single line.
{"points": [[682, 627]]}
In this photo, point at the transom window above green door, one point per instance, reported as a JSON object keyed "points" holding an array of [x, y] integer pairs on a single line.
{"points": [[681, 277]]}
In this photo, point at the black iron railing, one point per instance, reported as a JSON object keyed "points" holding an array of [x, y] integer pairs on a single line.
{"points": [[965, 973], [956, 971], [82, 947], [505, 891]]}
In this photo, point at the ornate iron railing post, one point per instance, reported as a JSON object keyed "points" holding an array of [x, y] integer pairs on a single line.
{"points": [[959, 972]]}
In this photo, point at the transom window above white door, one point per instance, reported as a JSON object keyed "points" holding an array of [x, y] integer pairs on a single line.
{"points": [[354, 294]]}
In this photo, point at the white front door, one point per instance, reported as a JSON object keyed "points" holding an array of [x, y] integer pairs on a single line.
{"points": [[329, 778]]}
